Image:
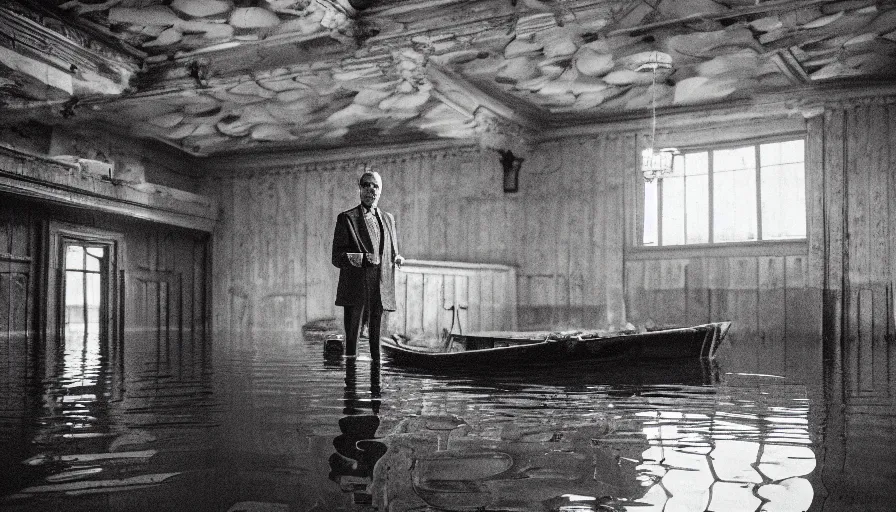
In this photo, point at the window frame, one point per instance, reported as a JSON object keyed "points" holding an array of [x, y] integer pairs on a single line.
{"points": [[710, 147]]}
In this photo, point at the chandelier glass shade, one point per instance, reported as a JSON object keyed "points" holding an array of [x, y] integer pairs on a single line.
{"points": [[656, 163]]}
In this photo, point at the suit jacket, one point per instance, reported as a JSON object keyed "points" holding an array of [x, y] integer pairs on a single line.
{"points": [[351, 245]]}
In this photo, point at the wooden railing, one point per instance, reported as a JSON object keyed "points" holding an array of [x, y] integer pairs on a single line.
{"points": [[438, 296]]}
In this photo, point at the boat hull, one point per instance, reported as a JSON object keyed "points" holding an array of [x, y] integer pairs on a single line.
{"points": [[466, 351]]}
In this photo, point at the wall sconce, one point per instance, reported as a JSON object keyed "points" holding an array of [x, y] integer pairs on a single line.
{"points": [[511, 165]]}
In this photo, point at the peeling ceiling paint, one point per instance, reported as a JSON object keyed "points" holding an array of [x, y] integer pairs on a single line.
{"points": [[217, 76]]}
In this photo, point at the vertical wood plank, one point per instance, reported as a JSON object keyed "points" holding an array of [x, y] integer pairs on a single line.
{"points": [[415, 300], [316, 246], [815, 188], [6, 287], [398, 320], [432, 299], [771, 312], [446, 300], [487, 302], [474, 303], [615, 226], [634, 286], [865, 340], [834, 197], [499, 297], [697, 301]]}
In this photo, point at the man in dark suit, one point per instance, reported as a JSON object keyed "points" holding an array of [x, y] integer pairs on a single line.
{"points": [[365, 248]]}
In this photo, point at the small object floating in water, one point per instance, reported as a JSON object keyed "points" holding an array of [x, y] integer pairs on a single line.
{"points": [[333, 345], [95, 486], [75, 474], [44, 458], [258, 506]]}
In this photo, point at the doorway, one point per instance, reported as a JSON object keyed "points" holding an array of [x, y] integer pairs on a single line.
{"points": [[84, 298], [85, 303]]}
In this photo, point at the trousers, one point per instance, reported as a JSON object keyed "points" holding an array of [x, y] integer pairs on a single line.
{"points": [[371, 311]]}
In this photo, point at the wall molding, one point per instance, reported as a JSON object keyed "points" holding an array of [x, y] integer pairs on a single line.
{"points": [[39, 177], [799, 102], [285, 162]]}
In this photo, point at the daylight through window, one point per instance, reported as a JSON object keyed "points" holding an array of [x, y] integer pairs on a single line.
{"points": [[740, 194]]}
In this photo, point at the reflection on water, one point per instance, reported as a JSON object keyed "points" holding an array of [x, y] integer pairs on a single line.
{"points": [[286, 429]]}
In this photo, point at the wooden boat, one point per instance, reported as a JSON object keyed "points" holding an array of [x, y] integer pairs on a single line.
{"points": [[512, 350]]}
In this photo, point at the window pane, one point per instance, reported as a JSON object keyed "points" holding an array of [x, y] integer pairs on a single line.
{"points": [[93, 258], [92, 296], [74, 257], [783, 202], [696, 164], [734, 195], [697, 195], [776, 153], [673, 210], [650, 214]]}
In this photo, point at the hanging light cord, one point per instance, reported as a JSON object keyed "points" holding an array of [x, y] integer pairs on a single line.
{"points": [[653, 107]]}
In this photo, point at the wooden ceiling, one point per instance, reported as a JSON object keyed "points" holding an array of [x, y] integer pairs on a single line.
{"points": [[224, 76]]}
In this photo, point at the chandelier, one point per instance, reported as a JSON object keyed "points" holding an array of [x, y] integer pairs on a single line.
{"points": [[656, 163]]}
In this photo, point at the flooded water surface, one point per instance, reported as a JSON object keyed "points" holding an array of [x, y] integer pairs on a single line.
{"points": [[286, 428]]}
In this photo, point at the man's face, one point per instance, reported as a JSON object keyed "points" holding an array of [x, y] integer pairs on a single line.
{"points": [[370, 191]]}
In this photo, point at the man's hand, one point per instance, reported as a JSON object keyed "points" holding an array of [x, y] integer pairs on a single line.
{"points": [[399, 261]]}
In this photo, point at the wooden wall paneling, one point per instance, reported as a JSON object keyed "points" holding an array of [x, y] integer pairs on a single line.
{"points": [[6, 302], [651, 304], [891, 187], [672, 292], [18, 326], [432, 299], [511, 296], [743, 292], [315, 245], [221, 253], [596, 282], [405, 205], [397, 322], [239, 290], [275, 247], [420, 218], [563, 196], [295, 228], [833, 299], [486, 302], [858, 194], [634, 291], [20, 235], [772, 312], [879, 242], [864, 341], [717, 283], [6, 229], [453, 221], [414, 315], [255, 279], [624, 159], [880, 340], [696, 292], [879, 174], [474, 302], [461, 299], [855, 259], [815, 189], [502, 303], [447, 300], [803, 311], [195, 299]]}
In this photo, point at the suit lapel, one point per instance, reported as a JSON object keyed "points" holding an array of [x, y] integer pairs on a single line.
{"points": [[361, 228]]}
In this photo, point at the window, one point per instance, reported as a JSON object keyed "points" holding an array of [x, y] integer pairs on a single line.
{"points": [[740, 194]]}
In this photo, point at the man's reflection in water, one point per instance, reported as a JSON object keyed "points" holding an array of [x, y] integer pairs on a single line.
{"points": [[356, 450]]}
